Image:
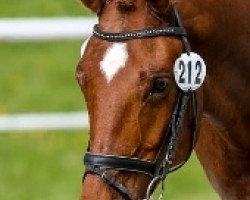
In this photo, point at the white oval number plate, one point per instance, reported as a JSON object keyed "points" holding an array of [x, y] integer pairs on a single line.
{"points": [[189, 71]]}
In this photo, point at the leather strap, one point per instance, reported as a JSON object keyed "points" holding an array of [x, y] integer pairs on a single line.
{"points": [[139, 34], [120, 163], [109, 179], [187, 47], [169, 143]]}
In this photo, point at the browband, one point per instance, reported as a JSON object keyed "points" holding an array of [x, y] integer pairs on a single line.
{"points": [[138, 34]]}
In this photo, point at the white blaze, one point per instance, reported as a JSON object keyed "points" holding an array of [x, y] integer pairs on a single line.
{"points": [[84, 45], [114, 59]]}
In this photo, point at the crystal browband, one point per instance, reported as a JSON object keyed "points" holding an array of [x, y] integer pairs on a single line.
{"points": [[149, 32]]}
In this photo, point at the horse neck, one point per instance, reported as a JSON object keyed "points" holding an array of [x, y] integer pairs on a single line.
{"points": [[219, 31]]}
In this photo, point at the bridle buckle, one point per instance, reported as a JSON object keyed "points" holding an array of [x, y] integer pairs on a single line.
{"points": [[103, 175]]}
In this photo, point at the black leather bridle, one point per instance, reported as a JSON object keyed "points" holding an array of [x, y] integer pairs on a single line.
{"points": [[158, 169]]}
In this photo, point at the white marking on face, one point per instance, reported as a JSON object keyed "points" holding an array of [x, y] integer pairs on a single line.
{"points": [[84, 45], [114, 59]]}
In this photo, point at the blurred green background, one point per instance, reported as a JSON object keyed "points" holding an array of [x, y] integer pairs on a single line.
{"points": [[39, 77]]}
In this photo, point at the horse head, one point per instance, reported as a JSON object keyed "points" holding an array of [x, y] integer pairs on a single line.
{"points": [[131, 95]]}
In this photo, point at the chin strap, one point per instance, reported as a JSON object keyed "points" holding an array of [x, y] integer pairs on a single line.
{"points": [[110, 180]]}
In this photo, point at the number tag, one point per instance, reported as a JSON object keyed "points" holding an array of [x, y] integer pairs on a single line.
{"points": [[189, 71]]}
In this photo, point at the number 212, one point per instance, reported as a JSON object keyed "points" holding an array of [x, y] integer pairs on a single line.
{"points": [[183, 68]]}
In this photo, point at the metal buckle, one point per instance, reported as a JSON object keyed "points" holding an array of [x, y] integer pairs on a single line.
{"points": [[152, 186], [104, 175]]}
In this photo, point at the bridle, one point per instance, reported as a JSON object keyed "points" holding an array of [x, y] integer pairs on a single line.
{"points": [[158, 169]]}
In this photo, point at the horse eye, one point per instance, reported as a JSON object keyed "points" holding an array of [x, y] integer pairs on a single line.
{"points": [[159, 86]]}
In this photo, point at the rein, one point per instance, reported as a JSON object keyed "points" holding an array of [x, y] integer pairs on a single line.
{"points": [[158, 169]]}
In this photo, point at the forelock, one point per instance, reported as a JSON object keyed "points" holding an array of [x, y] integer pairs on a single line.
{"points": [[125, 5]]}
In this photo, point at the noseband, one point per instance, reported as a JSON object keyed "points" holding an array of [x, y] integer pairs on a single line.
{"points": [[158, 169]]}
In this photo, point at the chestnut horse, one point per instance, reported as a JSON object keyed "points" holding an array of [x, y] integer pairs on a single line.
{"points": [[130, 92]]}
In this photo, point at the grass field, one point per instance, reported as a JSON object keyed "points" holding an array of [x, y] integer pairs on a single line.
{"points": [[48, 166], [39, 77], [42, 8], [39, 166]]}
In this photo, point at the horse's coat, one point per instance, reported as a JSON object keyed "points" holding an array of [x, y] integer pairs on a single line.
{"points": [[128, 121], [84, 45], [114, 59]]}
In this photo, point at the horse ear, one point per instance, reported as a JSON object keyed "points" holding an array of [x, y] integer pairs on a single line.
{"points": [[94, 5]]}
